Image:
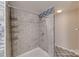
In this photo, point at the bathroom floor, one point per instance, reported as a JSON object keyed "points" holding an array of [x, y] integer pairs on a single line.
{"points": [[64, 53]]}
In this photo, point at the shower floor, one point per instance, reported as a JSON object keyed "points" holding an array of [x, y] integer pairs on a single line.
{"points": [[36, 52], [60, 52]]}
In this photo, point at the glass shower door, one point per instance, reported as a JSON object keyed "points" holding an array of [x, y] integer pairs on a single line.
{"points": [[1, 28]]}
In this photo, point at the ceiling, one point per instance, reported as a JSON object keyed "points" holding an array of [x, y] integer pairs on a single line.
{"points": [[39, 6]]}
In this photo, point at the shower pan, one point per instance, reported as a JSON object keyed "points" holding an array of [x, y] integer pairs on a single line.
{"points": [[31, 34]]}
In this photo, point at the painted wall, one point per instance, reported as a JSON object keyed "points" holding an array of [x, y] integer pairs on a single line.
{"points": [[66, 29]]}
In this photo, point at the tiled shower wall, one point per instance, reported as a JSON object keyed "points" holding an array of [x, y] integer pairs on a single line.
{"points": [[29, 32], [25, 31], [47, 34]]}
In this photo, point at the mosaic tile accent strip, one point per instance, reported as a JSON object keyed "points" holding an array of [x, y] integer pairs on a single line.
{"points": [[60, 52]]}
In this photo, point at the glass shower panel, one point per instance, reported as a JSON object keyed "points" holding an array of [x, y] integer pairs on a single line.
{"points": [[1, 28]]}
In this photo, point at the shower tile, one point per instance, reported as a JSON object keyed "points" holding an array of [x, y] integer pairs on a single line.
{"points": [[60, 52]]}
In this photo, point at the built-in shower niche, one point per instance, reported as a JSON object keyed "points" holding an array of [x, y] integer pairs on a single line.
{"points": [[31, 33]]}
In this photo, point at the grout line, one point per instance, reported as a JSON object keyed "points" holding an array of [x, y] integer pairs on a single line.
{"points": [[11, 33]]}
